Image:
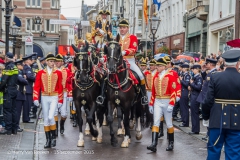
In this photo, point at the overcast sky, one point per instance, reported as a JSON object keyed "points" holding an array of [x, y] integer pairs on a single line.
{"points": [[73, 9]]}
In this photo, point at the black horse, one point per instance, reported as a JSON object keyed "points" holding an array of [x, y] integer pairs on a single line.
{"points": [[121, 93], [85, 91]]}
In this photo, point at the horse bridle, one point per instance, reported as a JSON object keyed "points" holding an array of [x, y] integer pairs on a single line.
{"points": [[112, 46], [80, 57]]}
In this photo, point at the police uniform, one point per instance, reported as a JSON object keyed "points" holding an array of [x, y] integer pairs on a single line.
{"points": [[41, 60], [66, 94], [49, 84], [163, 99], [27, 70], [222, 108], [184, 108], [21, 97], [9, 86], [196, 87]]}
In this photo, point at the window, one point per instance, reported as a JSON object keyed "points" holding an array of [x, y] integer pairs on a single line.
{"points": [[54, 3], [49, 27], [34, 3], [30, 26], [140, 14]]}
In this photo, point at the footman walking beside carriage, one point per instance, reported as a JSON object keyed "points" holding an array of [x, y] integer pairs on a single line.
{"points": [[49, 84]]}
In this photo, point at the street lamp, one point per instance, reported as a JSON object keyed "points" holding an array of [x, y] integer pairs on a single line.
{"points": [[79, 31], [7, 16], [39, 20], [154, 24], [14, 32]]}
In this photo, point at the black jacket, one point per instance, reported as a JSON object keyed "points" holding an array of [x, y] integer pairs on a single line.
{"points": [[21, 83], [223, 86], [30, 78]]}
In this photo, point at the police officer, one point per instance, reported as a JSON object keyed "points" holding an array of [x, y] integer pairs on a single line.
{"points": [[184, 108], [9, 85], [21, 98], [27, 70], [35, 69], [43, 62], [222, 107], [196, 86]]}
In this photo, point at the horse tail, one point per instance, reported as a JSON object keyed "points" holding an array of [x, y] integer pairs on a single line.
{"points": [[93, 132]]}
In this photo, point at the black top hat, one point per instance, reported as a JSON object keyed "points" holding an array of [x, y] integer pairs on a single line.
{"points": [[27, 57], [161, 61], [232, 55], [18, 62], [50, 56], [9, 55], [104, 12], [123, 23], [59, 57]]}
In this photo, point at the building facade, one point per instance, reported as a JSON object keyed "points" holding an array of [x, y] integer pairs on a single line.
{"points": [[171, 31], [221, 24], [47, 9]]}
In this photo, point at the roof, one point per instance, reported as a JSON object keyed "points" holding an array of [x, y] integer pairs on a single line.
{"points": [[62, 17]]}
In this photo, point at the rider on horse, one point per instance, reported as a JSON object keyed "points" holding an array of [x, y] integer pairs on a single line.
{"points": [[129, 45]]}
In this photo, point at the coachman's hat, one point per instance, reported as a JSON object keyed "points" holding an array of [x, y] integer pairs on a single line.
{"points": [[123, 23], [50, 56], [104, 12], [152, 62], [143, 61], [59, 57], [161, 61]]}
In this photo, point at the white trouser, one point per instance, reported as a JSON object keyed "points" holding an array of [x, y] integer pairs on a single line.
{"points": [[160, 109], [49, 105], [63, 109], [149, 94], [135, 68]]}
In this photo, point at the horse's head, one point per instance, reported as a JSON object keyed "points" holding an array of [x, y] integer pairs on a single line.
{"points": [[92, 49], [82, 62], [114, 55]]}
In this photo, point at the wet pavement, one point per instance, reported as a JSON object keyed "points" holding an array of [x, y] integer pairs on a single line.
{"points": [[186, 147]]}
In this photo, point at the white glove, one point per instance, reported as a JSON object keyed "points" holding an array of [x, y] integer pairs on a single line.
{"points": [[59, 105], [101, 31], [151, 109], [101, 60], [205, 123], [178, 99], [36, 103], [123, 53], [70, 99], [169, 108]]}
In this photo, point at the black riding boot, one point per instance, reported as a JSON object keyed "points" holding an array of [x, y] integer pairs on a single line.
{"points": [[48, 138], [100, 99], [53, 140], [160, 134], [144, 99], [62, 126], [153, 146], [56, 131], [74, 120], [170, 142]]}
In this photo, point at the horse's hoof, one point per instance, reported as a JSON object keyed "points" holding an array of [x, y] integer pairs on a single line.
{"points": [[129, 140], [120, 132], [131, 124], [124, 144], [99, 140], [87, 132], [139, 136], [94, 138], [80, 143], [123, 131], [104, 123]]}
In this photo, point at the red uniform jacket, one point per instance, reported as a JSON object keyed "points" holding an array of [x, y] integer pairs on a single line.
{"points": [[66, 81], [178, 88], [129, 45], [48, 85], [149, 78], [164, 88]]}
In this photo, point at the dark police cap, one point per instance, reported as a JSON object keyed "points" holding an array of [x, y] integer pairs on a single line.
{"points": [[42, 59], [185, 65], [196, 66], [27, 57], [232, 55], [18, 62], [9, 55], [210, 60]]}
